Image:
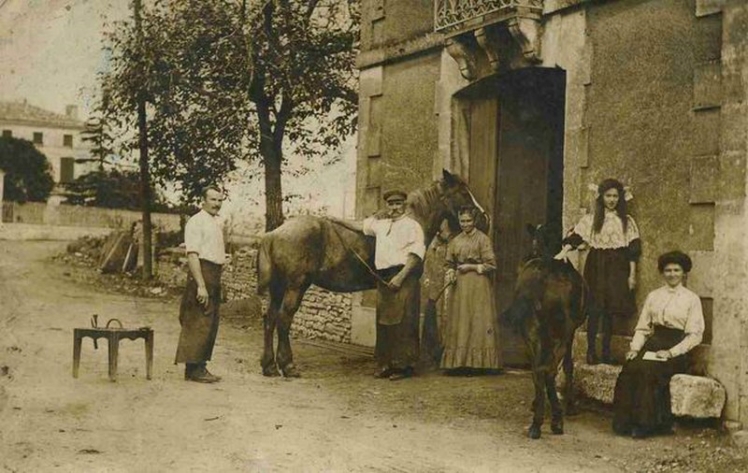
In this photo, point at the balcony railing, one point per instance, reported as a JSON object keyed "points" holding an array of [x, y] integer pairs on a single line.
{"points": [[451, 15]]}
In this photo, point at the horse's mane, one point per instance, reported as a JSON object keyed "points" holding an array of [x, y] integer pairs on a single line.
{"points": [[422, 201]]}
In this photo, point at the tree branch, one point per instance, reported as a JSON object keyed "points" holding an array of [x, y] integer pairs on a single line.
{"points": [[281, 118], [311, 5]]}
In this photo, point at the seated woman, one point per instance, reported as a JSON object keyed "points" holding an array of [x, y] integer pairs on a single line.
{"points": [[471, 336], [670, 325]]}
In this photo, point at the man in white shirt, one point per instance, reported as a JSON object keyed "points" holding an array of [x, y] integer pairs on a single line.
{"points": [[399, 252], [198, 312]]}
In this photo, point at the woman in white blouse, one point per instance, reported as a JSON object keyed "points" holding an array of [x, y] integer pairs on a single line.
{"points": [[671, 324]]}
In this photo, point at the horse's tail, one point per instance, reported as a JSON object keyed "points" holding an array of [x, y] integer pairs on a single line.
{"points": [[518, 312], [264, 265]]}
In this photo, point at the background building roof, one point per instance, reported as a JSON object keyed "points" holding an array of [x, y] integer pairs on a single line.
{"points": [[23, 113]]}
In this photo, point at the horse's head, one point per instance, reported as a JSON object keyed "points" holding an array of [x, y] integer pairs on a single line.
{"points": [[543, 241], [455, 194]]}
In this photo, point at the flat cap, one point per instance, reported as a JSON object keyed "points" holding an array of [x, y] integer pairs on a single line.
{"points": [[395, 194]]}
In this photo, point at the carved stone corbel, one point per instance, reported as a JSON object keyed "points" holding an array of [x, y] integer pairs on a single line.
{"points": [[526, 32], [463, 55], [486, 38]]}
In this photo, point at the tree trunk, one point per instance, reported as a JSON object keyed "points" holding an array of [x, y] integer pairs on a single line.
{"points": [[145, 178], [271, 150], [145, 192], [272, 157]]}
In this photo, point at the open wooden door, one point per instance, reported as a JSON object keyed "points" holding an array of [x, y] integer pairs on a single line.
{"points": [[516, 169]]}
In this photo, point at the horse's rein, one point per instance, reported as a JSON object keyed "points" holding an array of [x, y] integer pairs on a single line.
{"points": [[366, 265], [444, 289]]}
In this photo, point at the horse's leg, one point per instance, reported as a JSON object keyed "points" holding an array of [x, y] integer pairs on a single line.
{"points": [[291, 301], [268, 324], [557, 413], [538, 405], [569, 392], [534, 345]]}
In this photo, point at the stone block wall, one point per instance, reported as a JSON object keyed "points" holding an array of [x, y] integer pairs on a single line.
{"points": [[323, 314], [40, 213]]}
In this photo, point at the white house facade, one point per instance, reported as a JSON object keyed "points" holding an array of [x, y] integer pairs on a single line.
{"points": [[57, 136]]}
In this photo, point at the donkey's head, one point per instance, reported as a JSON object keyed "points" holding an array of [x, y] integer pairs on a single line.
{"points": [[456, 194], [543, 241]]}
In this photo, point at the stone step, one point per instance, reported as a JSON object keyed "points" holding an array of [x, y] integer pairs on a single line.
{"points": [[693, 396], [619, 345]]}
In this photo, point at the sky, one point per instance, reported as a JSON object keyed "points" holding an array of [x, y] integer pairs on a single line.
{"points": [[51, 51]]}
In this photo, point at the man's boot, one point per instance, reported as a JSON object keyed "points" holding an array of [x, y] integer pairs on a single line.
{"points": [[198, 373]]}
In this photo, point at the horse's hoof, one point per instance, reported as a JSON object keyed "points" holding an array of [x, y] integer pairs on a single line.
{"points": [[534, 432], [557, 428], [271, 371], [290, 371]]}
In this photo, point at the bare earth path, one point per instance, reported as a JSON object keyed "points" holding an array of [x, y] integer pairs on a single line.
{"points": [[336, 418]]}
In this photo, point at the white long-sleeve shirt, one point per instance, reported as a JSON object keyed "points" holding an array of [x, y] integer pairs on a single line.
{"points": [[678, 308]]}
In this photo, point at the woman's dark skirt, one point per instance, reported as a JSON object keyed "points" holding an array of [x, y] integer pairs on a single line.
{"points": [[199, 323], [398, 316], [642, 394], [607, 273]]}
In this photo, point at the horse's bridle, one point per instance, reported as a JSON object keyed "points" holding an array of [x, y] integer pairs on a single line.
{"points": [[358, 257]]}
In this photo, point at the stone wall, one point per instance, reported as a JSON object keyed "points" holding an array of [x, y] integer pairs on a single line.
{"points": [[79, 216], [323, 314]]}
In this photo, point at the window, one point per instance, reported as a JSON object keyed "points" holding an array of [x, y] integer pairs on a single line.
{"points": [[67, 141], [38, 138], [67, 170], [7, 133]]}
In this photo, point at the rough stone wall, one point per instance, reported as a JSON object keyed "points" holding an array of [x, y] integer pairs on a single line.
{"points": [[651, 127], [80, 216], [323, 314]]}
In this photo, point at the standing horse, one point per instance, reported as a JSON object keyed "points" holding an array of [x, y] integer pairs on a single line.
{"points": [[550, 303], [311, 250]]}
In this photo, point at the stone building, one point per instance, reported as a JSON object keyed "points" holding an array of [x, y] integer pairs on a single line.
{"points": [[57, 136], [535, 100]]}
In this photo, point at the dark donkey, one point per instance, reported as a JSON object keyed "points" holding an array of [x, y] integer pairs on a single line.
{"points": [[311, 250], [550, 303]]}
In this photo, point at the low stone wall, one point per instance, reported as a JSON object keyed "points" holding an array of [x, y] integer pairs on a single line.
{"points": [[80, 216], [323, 314], [23, 231]]}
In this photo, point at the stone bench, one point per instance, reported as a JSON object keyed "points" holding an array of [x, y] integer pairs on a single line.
{"points": [[692, 396], [619, 345]]}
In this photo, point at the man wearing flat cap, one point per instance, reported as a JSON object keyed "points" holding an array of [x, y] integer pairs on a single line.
{"points": [[399, 252]]}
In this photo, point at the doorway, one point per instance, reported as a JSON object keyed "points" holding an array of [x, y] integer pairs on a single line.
{"points": [[515, 127]]}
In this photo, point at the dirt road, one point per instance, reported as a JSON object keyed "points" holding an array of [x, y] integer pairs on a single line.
{"points": [[335, 418]]}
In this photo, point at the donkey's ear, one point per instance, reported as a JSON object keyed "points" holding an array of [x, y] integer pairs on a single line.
{"points": [[530, 229], [449, 178]]}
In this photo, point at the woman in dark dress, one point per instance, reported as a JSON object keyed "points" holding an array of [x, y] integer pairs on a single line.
{"points": [[671, 324], [610, 269]]}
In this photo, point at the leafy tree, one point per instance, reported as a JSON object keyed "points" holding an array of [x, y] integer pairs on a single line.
{"points": [[98, 134], [235, 79], [113, 189], [28, 174]]}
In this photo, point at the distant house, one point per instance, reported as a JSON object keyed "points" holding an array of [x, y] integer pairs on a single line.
{"points": [[57, 136]]}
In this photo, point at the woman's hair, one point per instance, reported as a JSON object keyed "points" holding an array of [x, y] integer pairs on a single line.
{"points": [[602, 188], [674, 257], [468, 210]]}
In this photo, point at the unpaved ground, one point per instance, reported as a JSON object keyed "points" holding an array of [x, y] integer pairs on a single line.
{"points": [[336, 418]]}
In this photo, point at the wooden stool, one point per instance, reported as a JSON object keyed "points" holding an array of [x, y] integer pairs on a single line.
{"points": [[113, 335]]}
